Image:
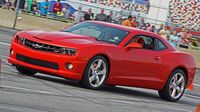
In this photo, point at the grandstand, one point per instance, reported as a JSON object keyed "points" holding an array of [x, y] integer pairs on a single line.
{"points": [[185, 13], [176, 12]]}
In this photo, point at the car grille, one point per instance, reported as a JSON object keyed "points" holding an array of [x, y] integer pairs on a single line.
{"points": [[40, 46], [37, 62]]}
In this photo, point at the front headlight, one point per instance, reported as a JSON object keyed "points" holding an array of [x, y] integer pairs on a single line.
{"points": [[68, 51], [71, 51], [21, 40]]}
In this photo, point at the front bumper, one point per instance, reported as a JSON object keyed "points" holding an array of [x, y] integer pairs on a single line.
{"points": [[59, 59]]}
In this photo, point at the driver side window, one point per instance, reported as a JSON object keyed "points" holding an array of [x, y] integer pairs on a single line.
{"points": [[147, 42]]}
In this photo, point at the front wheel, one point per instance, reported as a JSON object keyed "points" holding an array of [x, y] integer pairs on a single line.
{"points": [[25, 71], [96, 73], [174, 87]]}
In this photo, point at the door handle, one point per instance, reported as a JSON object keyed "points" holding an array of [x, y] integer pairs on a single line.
{"points": [[156, 58]]}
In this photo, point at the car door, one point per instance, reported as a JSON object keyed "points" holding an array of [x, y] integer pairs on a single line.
{"points": [[141, 67]]}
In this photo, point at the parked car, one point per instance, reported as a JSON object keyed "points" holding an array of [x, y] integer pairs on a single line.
{"points": [[97, 53]]}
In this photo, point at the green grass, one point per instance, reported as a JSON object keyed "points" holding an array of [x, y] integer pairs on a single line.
{"points": [[31, 21]]}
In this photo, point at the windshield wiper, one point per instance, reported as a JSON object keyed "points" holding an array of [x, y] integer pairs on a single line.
{"points": [[98, 39], [64, 31]]}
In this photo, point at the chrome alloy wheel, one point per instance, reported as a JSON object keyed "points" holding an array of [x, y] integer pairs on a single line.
{"points": [[177, 85], [97, 72]]}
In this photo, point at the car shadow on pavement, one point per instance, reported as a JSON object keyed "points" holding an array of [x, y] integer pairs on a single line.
{"points": [[131, 91], [110, 89], [144, 94]]}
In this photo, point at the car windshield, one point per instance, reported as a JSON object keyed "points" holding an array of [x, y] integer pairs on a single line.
{"points": [[98, 31]]}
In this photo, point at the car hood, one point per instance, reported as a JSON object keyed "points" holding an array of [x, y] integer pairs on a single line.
{"points": [[63, 38], [60, 36]]}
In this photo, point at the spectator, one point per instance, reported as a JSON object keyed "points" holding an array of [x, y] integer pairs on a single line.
{"points": [[109, 17], [78, 15], [88, 15], [44, 7], [66, 12], [29, 5], [149, 27], [144, 27], [128, 22], [121, 19], [134, 22], [185, 36], [159, 29], [153, 29], [57, 7], [21, 4], [101, 16], [34, 6], [164, 33], [142, 24], [173, 39], [8, 5], [2, 3]]}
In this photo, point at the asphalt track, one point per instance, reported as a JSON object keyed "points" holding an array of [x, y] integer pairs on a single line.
{"points": [[42, 93]]}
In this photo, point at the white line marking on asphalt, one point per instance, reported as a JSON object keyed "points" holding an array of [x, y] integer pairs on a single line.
{"points": [[3, 56], [26, 89], [196, 85], [3, 43], [192, 96]]}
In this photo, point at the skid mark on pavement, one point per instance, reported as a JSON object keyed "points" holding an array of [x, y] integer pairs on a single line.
{"points": [[25, 89]]}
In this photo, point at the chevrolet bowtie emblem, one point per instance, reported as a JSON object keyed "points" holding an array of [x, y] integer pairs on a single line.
{"points": [[36, 46]]}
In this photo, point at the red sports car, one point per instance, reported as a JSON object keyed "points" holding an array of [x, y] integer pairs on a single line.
{"points": [[98, 53]]}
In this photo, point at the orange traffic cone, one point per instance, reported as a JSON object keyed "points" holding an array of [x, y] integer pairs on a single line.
{"points": [[190, 87], [198, 108]]}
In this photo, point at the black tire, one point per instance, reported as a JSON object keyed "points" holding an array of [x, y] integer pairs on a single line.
{"points": [[165, 92], [25, 71], [85, 79]]}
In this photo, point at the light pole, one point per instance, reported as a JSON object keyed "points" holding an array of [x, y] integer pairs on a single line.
{"points": [[16, 13]]}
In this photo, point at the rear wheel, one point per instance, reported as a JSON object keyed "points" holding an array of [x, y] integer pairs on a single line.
{"points": [[174, 87], [96, 73], [25, 71]]}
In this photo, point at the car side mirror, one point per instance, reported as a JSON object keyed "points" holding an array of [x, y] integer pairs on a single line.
{"points": [[134, 45]]}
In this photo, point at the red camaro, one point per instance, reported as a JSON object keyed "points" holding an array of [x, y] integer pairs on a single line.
{"points": [[98, 53]]}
